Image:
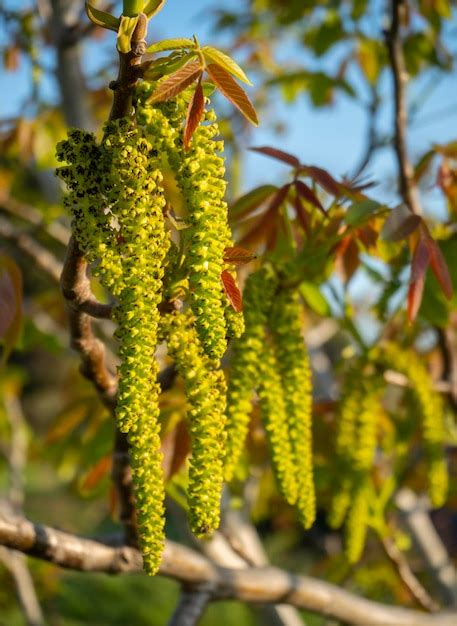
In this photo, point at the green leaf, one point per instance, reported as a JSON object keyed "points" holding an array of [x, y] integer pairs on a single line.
{"points": [[10, 304], [359, 212], [226, 62], [152, 7], [233, 92], [125, 32], [101, 18], [171, 44], [313, 297]]}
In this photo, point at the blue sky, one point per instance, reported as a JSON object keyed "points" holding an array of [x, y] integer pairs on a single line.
{"points": [[332, 137]]}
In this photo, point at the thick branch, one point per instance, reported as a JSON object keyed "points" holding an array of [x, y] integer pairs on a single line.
{"points": [[255, 585], [408, 186]]}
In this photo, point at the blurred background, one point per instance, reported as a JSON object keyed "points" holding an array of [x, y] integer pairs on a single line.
{"points": [[324, 92]]}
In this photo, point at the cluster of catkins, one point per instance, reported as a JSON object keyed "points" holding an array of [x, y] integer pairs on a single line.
{"points": [[358, 437], [271, 357], [171, 291]]}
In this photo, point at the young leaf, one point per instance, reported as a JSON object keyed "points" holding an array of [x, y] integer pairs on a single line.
{"points": [[232, 291], [323, 178], [177, 82], [440, 268], [274, 153], [171, 44], [251, 201], [194, 113], [420, 262], [125, 32], [10, 304], [96, 473], [238, 255], [101, 18], [226, 62], [359, 212], [302, 215], [266, 225], [400, 224], [308, 194], [233, 92], [152, 7]]}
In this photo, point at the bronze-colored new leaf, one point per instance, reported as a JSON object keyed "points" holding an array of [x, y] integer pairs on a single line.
{"points": [[238, 255], [420, 263], [232, 291], [280, 155], [233, 92], [177, 82], [10, 304], [440, 268], [308, 194], [194, 114]]}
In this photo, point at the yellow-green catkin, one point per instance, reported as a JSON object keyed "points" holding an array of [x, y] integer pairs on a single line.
{"points": [[275, 420], [295, 372], [431, 409], [119, 223], [244, 366], [356, 443], [206, 392], [357, 521], [199, 173]]}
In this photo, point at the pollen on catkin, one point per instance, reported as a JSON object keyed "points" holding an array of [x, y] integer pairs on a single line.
{"points": [[294, 369], [206, 392], [431, 409], [244, 365], [274, 416], [118, 222], [199, 173]]}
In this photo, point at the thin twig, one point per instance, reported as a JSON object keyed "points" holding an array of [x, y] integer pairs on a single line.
{"points": [[191, 606], [28, 213], [403, 568], [257, 585], [408, 186]]}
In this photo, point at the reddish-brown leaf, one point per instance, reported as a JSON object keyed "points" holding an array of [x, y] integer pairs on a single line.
{"points": [[400, 224], [347, 253], [177, 82], [368, 236], [420, 262], [280, 155], [96, 473], [175, 448], [251, 201], [232, 91], [10, 304], [323, 178], [308, 194], [264, 224], [440, 268], [232, 291], [302, 215], [238, 255], [194, 113]]}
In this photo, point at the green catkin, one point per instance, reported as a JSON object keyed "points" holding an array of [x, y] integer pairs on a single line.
{"points": [[206, 392], [357, 522], [244, 370], [118, 222], [274, 417], [356, 443], [294, 369], [431, 408], [199, 173]]}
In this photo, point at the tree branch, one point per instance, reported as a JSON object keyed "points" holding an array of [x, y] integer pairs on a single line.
{"points": [[408, 186], [255, 585]]}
